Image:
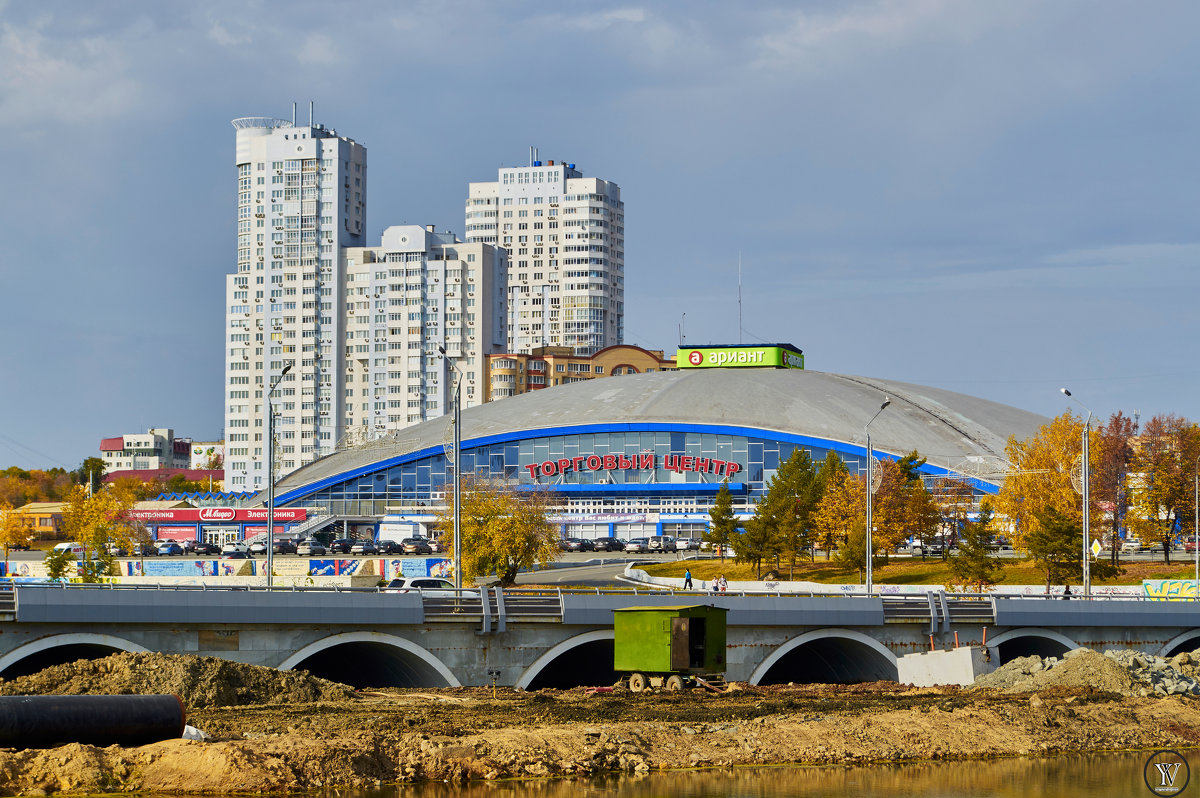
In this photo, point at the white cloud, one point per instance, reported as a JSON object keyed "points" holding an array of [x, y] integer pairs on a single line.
{"points": [[318, 50], [42, 85]]}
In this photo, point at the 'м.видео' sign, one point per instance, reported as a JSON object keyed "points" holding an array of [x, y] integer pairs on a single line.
{"points": [[629, 462]]}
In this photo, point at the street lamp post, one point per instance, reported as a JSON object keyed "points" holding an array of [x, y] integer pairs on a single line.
{"points": [[870, 478], [1087, 499], [271, 475], [456, 420]]}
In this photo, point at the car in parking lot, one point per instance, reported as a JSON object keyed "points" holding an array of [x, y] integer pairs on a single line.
{"points": [[201, 548], [687, 544], [608, 544], [661, 543], [389, 547], [340, 546], [416, 546], [235, 545], [637, 545], [364, 547], [116, 551], [575, 544], [258, 547], [310, 548], [169, 548], [1131, 546], [285, 546], [436, 545], [432, 586]]}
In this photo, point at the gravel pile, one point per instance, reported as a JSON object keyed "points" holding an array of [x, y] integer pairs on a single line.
{"points": [[1126, 672], [200, 681]]}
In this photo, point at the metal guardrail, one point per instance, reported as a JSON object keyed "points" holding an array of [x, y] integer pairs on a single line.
{"points": [[8, 601]]}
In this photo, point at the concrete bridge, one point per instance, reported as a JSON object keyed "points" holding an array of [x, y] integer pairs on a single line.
{"points": [[532, 639]]}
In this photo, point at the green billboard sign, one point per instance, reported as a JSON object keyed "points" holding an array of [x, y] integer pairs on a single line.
{"points": [[769, 357]]}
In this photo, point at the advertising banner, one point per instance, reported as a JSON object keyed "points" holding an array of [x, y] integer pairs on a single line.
{"points": [[220, 514], [409, 567], [726, 357], [177, 533], [332, 567]]}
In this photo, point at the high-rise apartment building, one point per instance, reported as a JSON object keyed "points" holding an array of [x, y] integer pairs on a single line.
{"points": [[565, 237], [406, 301], [301, 198]]}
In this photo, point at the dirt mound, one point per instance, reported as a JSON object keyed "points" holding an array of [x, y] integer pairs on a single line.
{"points": [[1127, 672], [200, 681]]}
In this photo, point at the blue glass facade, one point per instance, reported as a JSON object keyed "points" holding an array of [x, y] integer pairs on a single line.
{"points": [[419, 478]]}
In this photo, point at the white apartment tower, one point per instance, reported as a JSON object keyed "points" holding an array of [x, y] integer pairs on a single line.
{"points": [[406, 301], [301, 198], [565, 236]]}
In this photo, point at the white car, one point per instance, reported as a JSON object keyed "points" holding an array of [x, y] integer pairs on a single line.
{"points": [[235, 545], [72, 547], [433, 586], [636, 545]]}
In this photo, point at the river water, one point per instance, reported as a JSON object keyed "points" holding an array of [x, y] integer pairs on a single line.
{"points": [[1107, 775]]}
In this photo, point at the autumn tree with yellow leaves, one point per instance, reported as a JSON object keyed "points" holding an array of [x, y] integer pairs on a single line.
{"points": [[1039, 479], [504, 529], [14, 529]]}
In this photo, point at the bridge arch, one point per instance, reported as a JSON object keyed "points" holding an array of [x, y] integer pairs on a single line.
{"points": [[1025, 641], [600, 639], [1187, 641], [372, 659], [828, 655], [58, 649]]}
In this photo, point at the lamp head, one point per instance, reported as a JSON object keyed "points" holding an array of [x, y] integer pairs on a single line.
{"points": [[286, 369], [886, 402], [1065, 392], [442, 349]]}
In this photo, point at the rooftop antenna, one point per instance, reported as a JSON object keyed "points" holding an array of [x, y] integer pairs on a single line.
{"points": [[739, 298], [682, 337], [531, 155], [310, 113], [293, 114]]}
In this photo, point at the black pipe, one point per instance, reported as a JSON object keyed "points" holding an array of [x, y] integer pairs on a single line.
{"points": [[46, 721]]}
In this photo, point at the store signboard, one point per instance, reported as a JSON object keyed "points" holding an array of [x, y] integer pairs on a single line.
{"points": [[219, 514], [726, 357]]}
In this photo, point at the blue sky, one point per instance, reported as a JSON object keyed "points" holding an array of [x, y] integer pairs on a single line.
{"points": [[997, 198]]}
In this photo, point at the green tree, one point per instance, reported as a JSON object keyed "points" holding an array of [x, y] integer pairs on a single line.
{"points": [[852, 553], [504, 529], [910, 466], [91, 472], [787, 509], [60, 563], [974, 565], [757, 543], [721, 531], [1056, 545]]}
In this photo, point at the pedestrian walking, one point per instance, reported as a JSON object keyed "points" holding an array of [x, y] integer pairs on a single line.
{"points": [[687, 579], [1067, 594]]}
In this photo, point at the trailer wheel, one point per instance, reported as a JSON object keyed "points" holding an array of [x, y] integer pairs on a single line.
{"points": [[674, 684], [637, 682]]}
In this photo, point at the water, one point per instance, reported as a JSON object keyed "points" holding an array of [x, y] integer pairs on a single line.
{"points": [[1108, 775]]}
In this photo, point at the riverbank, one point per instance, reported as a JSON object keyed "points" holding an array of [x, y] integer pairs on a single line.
{"points": [[464, 734]]}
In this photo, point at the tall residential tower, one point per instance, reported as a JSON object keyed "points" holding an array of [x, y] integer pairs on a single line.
{"points": [[565, 236], [301, 198]]}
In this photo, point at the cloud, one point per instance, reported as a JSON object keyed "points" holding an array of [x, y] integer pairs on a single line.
{"points": [[43, 85], [318, 50]]}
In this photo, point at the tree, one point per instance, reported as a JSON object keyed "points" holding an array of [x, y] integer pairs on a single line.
{"points": [[1040, 477], [852, 554], [95, 521], [954, 498], [783, 517], [14, 529], [842, 503], [910, 466], [1056, 545], [923, 516], [756, 543], [91, 473], [1109, 482], [59, 563], [723, 528], [974, 565], [1162, 492], [504, 529]]}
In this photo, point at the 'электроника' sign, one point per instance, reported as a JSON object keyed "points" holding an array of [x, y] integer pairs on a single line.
{"points": [[738, 357]]}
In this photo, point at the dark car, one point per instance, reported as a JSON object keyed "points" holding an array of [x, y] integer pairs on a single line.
{"points": [[201, 548], [390, 547], [145, 550], [416, 546], [608, 544], [341, 546], [285, 547], [235, 555]]}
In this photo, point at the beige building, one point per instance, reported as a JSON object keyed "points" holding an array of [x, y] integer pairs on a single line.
{"points": [[565, 237], [513, 373], [149, 451]]}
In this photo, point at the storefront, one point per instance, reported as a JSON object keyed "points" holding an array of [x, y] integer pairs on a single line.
{"points": [[217, 525]]}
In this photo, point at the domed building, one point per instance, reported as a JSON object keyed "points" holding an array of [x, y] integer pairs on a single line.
{"points": [[644, 454]]}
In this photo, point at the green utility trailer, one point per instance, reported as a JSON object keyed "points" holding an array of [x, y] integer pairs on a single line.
{"points": [[668, 646]]}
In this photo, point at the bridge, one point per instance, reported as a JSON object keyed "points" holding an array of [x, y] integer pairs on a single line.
{"points": [[553, 638]]}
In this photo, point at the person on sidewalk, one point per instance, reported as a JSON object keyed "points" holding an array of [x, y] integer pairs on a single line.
{"points": [[687, 579]]}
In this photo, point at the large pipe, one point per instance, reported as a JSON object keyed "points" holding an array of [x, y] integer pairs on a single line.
{"points": [[47, 721]]}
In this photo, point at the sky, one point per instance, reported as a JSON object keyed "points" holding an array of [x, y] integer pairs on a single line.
{"points": [[995, 198]]}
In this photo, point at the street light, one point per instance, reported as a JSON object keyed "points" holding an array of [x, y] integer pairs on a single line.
{"points": [[456, 420], [1087, 499], [271, 475], [870, 477]]}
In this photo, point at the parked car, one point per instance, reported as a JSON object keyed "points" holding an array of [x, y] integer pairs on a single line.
{"points": [[310, 548], [636, 545], [145, 550], [608, 544], [661, 543], [234, 554], [285, 547], [436, 545], [432, 586], [116, 551], [169, 548], [1131, 546], [72, 547], [364, 547], [201, 548], [390, 547], [416, 546], [257, 547], [341, 546], [687, 544], [576, 544], [235, 545], [1189, 546]]}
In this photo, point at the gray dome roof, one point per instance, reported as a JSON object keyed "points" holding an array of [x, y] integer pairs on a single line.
{"points": [[949, 429]]}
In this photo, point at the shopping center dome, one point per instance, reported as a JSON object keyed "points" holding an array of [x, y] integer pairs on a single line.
{"points": [[723, 413]]}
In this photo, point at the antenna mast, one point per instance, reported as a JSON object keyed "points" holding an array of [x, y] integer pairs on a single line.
{"points": [[739, 298]]}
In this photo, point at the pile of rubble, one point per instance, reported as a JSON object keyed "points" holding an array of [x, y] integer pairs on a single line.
{"points": [[1128, 672]]}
